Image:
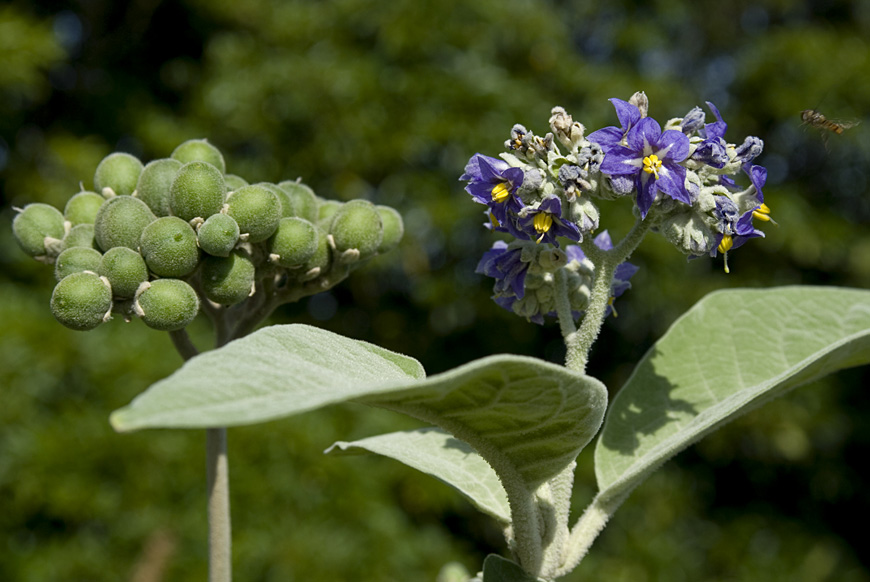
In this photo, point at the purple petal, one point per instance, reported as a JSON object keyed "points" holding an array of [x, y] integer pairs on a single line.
{"points": [[672, 181], [551, 205], [758, 177], [575, 253], [620, 160], [491, 169], [646, 193], [627, 113], [606, 137], [645, 135], [672, 145], [602, 241]]}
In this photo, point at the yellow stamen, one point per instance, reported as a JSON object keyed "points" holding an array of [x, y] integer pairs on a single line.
{"points": [[542, 221], [612, 308], [651, 165], [724, 246], [501, 191], [494, 220], [763, 213]]}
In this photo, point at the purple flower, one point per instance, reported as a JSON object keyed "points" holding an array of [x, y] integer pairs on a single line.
{"points": [[734, 229], [652, 158], [628, 115], [545, 222], [506, 267], [493, 182]]}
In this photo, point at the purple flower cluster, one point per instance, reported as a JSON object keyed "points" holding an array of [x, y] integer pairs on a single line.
{"points": [[494, 183], [650, 157], [509, 266]]}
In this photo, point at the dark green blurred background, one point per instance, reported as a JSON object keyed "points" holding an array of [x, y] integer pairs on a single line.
{"points": [[387, 101]]}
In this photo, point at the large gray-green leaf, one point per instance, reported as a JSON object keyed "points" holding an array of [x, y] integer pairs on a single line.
{"points": [[532, 415], [731, 352], [433, 451], [274, 372]]}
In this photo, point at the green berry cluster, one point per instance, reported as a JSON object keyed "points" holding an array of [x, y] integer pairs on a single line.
{"points": [[164, 240]]}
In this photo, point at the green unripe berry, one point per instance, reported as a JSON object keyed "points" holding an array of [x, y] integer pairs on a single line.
{"points": [[125, 269], [194, 150], [326, 210], [169, 248], [83, 207], [81, 235], [357, 225], [287, 207], [33, 224], [234, 182], [257, 210], [166, 304], [120, 222], [154, 183], [294, 242], [119, 172], [218, 235], [197, 191], [394, 228], [82, 301], [228, 280], [303, 198], [320, 261], [76, 260]]}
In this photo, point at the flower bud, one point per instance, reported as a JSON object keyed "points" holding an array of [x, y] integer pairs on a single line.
{"points": [[294, 243], [169, 248], [76, 260], [394, 228], [81, 235], [688, 232], [154, 184], [34, 224], [197, 191], [120, 222], [82, 208], [228, 280], [218, 235], [166, 304], [303, 198], [257, 210], [119, 172], [357, 225], [200, 150], [82, 301], [124, 269]]}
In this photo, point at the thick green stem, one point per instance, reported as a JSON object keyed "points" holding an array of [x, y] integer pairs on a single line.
{"points": [[219, 530], [605, 266], [586, 530]]}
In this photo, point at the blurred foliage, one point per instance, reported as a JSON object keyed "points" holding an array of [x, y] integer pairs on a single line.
{"points": [[388, 100]]}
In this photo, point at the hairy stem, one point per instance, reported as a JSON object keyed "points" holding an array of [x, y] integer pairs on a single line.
{"points": [[605, 266], [219, 530]]}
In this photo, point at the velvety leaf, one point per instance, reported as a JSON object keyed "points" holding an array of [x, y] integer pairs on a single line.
{"points": [[730, 353], [433, 451], [275, 372], [527, 413]]}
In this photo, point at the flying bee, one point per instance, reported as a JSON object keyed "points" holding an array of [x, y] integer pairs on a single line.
{"points": [[815, 119]]}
